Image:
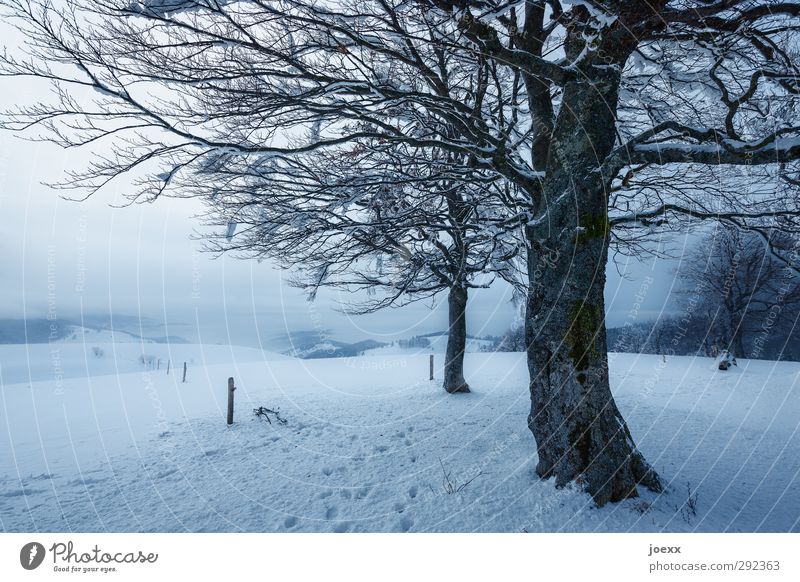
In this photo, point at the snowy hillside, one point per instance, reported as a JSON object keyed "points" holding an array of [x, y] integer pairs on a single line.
{"points": [[437, 344], [371, 445], [69, 359]]}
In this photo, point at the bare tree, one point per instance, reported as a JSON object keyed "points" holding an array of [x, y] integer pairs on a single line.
{"points": [[743, 285], [402, 234], [397, 220], [588, 104], [513, 340], [686, 85]]}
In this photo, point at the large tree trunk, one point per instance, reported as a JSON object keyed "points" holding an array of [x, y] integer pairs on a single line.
{"points": [[579, 431], [456, 341]]}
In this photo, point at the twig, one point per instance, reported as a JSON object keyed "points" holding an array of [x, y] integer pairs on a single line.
{"points": [[263, 413]]}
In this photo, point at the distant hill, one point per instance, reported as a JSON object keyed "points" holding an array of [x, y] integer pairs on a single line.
{"points": [[314, 344], [33, 331], [310, 347], [41, 330]]}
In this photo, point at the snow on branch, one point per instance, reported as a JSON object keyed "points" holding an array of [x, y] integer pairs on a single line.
{"points": [[768, 151]]}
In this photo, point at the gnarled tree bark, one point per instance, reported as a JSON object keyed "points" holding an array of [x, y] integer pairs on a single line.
{"points": [[580, 434]]}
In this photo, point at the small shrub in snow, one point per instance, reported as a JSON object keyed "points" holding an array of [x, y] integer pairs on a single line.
{"points": [[98, 352], [147, 361], [689, 508], [453, 485], [264, 414]]}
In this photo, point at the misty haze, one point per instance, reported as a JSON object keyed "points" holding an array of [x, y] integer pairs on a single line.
{"points": [[399, 266]]}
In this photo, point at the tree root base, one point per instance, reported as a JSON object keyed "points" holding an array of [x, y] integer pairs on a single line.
{"points": [[458, 389]]}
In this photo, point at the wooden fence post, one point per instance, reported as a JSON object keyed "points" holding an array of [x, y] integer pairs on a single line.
{"points": [[231, 388], [168, 363], [184, 372], [431, 367]]}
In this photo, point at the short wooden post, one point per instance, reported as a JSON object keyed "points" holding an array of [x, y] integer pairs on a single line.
{"points": [[431, 367], [168, 363], [184, 372], [158, 367], [231, 388]]}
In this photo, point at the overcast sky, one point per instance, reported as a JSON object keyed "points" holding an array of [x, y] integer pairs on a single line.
{"points": [[67, 258]]}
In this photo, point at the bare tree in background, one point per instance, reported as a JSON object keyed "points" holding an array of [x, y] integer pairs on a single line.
{"points": [[401, 220], [404, 232], [701, 94], [743, 284]]}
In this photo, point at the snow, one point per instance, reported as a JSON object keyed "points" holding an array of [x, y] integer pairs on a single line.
{"points": [[369, 440], [76, 358], [166, 8], [230, 230], [438, 344]]}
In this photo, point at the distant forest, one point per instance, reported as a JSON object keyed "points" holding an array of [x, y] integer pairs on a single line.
{"points": [[673, 335], [697, 336]]}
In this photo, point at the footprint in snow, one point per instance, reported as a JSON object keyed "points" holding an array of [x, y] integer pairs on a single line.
{"points": [[290, 522], [413, 491], [405, 524], [331, 512], [22, 492], [42, 477], [86, 481]]}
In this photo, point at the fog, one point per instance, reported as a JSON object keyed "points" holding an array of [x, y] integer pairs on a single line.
{"points": [[140, 262], [93, 258]]}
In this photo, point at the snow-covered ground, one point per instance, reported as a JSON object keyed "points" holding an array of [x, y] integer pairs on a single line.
{"points": [[60, 360], [370, 443]]}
